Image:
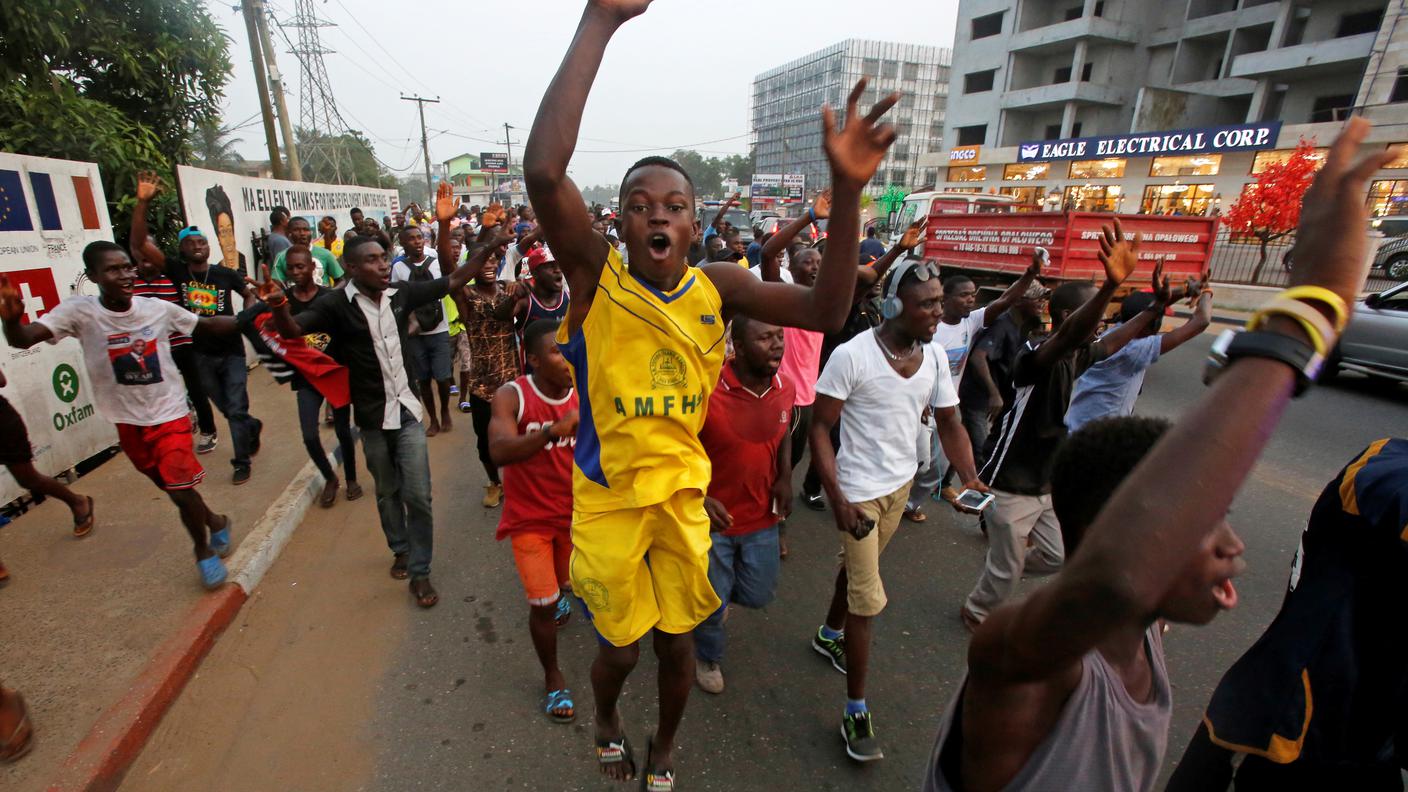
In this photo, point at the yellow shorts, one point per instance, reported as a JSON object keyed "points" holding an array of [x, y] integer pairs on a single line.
{"points": [[643, 569]]}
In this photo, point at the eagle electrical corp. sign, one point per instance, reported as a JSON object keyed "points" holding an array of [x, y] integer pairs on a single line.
{"points": [[1243, 137]]}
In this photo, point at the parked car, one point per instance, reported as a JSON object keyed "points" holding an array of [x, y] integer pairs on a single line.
{"points": [[1392, 226], [735, 216], [1392, 258], [1376, 342]]}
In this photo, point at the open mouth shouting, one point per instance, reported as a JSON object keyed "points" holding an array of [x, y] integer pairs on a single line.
{"points": [[1225, 594], [659, 246]]}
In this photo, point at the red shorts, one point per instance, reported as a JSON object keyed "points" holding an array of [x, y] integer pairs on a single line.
{"points": [[542, 559], [162, 452]]}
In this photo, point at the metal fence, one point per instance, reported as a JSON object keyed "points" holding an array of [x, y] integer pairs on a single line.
{"points": [[1238, 259]]}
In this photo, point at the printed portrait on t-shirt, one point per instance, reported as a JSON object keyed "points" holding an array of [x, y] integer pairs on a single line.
{"points": [[134, 357]]}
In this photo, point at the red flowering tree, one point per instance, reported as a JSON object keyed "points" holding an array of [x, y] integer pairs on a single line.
{"points": [[1269, 208]]}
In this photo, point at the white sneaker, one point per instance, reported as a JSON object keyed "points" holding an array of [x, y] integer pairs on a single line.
{"points": [[709, 677], [206, 444]]}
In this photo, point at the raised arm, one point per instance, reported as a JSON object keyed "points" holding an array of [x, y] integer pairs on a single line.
{"points": [[20, 336], [717, 223], [1119, 257], [1202, 318], [868, 276], [1013, 293], [580, 251], [1115, 340], [1140, 542], [446, 205], [148, 185], [854, 152], [778, 242]]}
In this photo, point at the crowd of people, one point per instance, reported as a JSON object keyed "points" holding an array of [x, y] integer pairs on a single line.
{"points": [[642, 387]]}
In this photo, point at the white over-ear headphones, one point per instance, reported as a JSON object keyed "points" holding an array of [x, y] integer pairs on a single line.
{"points": [[892, 305]]}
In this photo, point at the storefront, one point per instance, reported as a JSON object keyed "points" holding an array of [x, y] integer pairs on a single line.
{"points": [[1184, 172]]}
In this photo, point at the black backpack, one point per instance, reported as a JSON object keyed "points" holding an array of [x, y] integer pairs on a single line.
{"points": [[430, 315]]}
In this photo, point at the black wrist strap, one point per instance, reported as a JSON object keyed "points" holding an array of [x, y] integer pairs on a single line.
{"points": [[1297, 354]]}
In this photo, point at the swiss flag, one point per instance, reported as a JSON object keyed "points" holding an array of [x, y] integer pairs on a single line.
{"points": [[37, 290]]}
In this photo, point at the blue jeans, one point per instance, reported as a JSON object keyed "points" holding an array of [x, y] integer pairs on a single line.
{"points": [[742, 569], [224, 377], [400, 466], [309, 402]]}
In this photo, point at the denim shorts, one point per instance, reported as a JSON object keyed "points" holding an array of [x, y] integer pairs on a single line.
{"points": [[430, 356]]}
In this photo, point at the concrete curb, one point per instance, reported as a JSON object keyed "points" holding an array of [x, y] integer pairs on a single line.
{"points": [[103, 757]]}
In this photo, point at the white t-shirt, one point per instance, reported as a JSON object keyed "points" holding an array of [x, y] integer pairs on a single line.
{"points": [[954, 341], [127, 356], [401, 271], [880, 418]]}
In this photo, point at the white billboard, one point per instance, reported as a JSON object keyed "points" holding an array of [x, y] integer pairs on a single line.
{"points": [[49, 210], [232, 209]]}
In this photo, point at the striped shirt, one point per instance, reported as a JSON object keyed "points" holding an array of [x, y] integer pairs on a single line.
{"points": [[162, 288]]}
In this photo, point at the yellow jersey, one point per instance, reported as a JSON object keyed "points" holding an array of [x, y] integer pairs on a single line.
{"points": [[645, 362]]}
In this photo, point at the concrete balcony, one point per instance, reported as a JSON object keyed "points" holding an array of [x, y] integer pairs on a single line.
{"points": [[1058, 94], [1221, 88], [1330, 55], [1217, 23], [1062, 35]]}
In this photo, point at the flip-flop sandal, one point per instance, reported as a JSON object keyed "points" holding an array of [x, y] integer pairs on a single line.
{"points": [[557, 700], [220, 540], [82, 528], [564, 611], [425, 594], [610, 752], [655, 782], [20, 741], [354, 490], [401, 566], [464, 407]]}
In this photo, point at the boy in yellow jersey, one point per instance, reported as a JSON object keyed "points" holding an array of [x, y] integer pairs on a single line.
{"points": [[646, 342]]}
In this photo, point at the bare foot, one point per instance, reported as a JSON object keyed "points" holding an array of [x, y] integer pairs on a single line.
{"points": [[445, 423], [433, 429], [611, 732]]}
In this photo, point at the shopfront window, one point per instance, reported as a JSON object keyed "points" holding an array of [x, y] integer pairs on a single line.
{"points": [[1028, 198], [1266, 158], [1193, 165], [1388, 197], [1402, 160], [1093, 198], [1026, 171], [1177, 199], [1098, 169], [968, 173]]}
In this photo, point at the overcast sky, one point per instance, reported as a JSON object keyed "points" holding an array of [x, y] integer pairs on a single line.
{"points": [[680, 76]]}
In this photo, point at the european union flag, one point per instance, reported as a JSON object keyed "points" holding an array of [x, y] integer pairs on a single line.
{"points": [[44, 201], [14, 211]]}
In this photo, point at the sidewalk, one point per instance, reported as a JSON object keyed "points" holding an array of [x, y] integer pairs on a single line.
{"points": [[82, 619]]}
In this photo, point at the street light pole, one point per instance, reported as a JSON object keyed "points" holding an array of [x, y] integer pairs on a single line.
{"points": [[424, 142]]}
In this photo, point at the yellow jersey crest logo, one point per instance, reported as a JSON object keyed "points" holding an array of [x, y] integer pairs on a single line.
{"points": [[667, 369]]}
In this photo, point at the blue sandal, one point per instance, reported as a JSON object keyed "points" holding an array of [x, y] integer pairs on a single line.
{"points": [[212, 572], [564, 611], [556, 700], [220, 540]]}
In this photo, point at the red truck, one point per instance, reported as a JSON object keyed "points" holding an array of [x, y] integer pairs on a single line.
{"points": [[993, 243]]}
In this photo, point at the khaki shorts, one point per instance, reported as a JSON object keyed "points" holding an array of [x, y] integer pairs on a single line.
{"points": [[865, 593]]}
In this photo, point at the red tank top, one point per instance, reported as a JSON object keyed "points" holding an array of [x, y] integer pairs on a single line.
{"points": [[538, 490]]}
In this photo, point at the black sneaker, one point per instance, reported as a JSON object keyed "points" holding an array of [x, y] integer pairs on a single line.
{"points": [[833, 649], [814, 501], [241, 475], [859, 733]]}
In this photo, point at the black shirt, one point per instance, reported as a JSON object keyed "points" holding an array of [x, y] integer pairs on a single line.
{"points": [[319, 341], [339, 314], [864, 315], [1020, 453], [209, 293], [1001, 341]]}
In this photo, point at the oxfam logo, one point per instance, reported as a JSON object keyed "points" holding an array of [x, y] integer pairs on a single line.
{"points": [[65, 383]]}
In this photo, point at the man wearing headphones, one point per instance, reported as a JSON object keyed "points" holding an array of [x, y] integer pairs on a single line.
{"points": [[879, 385]]}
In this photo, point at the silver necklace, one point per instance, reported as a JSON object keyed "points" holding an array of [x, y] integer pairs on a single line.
{"points": [[893, 356]]}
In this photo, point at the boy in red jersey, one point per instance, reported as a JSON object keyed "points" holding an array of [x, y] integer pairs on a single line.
{"points": [[532, 435]]}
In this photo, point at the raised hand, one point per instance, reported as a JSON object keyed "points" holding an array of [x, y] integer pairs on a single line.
{"points": [[1331, 248], [914, 234], [446, 204], [148, 185], [619, 10], [1038, 260], [1163, 291], [821, 205], [1118, 254], [733, 200], [268, 290], [11, 302], [856, 149]]}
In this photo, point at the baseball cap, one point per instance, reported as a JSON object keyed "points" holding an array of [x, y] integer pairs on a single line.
{"points": [[539, 256], [188, 231]]}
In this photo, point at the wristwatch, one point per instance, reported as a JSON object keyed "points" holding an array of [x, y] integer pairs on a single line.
{"points": [[1234, 344]]}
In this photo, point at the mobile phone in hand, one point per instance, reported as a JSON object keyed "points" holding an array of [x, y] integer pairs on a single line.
{"points": [[973, 499], [864, 525], [1045, 255]]}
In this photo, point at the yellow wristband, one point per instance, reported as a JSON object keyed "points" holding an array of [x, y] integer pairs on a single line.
{"points": [[1316, 326], [1324, 296]]}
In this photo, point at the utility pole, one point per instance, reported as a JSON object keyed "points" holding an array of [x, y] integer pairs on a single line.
{"points": [[425, 142], [265, 109], [276, 86], [508, 145]]}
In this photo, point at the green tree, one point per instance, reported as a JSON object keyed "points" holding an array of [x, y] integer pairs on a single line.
{"points": [[703, 171], [124, 83], [738, 166], [213, 148], [601, 193]]}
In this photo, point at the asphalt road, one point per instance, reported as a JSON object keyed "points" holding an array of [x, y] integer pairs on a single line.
{"points": [[331, 657]]}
